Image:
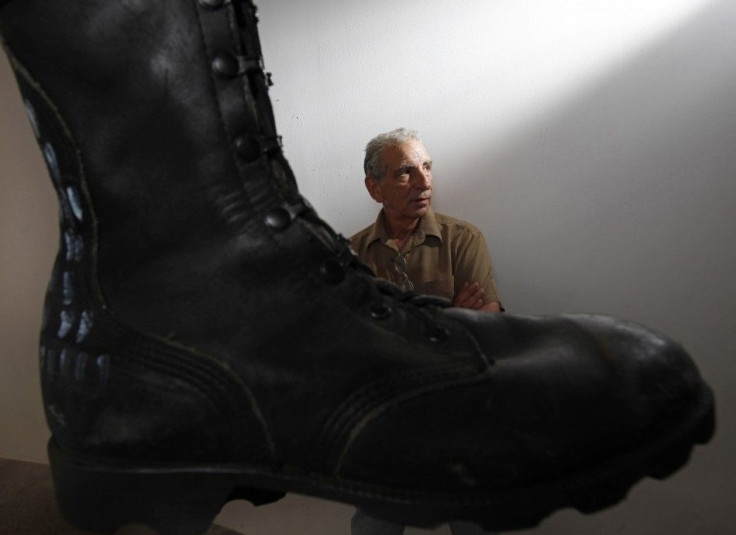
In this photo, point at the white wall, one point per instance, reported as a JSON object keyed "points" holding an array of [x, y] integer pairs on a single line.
{"points": [[592, 142]]}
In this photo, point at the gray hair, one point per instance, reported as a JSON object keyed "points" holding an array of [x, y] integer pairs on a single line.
{"points": [[373, 164]]}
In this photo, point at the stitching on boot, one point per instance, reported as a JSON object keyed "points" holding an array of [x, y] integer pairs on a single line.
{"points": [[348, 425], [89, 325]]}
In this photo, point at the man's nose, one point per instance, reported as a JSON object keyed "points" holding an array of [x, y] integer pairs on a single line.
{"points": [[422, 179]]}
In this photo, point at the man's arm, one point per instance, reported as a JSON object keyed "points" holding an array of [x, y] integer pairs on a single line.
{"points": [[473, 296], [472, 267], [493, 306]]}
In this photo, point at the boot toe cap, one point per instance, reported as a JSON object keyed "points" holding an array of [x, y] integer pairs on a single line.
{"points": [[564, 396]]}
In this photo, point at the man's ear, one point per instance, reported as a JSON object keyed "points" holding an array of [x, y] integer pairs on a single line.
{"points": [[374, 189]]}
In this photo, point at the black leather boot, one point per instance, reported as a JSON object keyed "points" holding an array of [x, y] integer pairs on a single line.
{"points": [[208, 337]]}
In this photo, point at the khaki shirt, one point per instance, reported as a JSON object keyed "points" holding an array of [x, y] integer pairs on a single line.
{"points": [[441, 255]]}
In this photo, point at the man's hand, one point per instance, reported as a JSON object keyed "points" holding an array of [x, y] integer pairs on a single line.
{"points": [[493, 306], [471, 296]]}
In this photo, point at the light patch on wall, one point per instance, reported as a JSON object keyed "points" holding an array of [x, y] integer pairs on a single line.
{"points": [[473, 76], [371, 66], [533, 56]]}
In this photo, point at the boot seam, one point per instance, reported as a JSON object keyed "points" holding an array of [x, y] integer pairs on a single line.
{"points": [[355, 415]]}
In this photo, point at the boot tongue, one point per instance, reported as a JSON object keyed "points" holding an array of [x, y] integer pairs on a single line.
{"points": [[324, 233], [331, 240], [284, 178]]}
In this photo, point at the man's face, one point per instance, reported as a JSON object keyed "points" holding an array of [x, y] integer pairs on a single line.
{"points": [[406, 188]]}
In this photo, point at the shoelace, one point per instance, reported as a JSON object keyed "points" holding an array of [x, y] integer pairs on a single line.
{"points": [[383, 295]]}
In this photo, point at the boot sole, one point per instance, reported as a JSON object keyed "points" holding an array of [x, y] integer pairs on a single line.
{"points": [[99, 495]]}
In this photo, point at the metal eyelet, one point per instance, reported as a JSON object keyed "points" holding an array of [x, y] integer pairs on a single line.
{"points": [[332, 271], [380, 312], [438, 334], [213, 4], [247, 147], [278, 218], [226, 65]]}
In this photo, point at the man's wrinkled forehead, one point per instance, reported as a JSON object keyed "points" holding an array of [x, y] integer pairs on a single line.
{"points": [[411, 152]]}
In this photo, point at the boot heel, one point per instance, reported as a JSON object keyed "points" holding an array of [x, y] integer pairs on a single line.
{"points": [[100, 497]]}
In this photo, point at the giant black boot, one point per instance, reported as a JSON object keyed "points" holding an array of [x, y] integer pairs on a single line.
{"points": [[207, 337]]}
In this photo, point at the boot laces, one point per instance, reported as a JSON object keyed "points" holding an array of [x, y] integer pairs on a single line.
{"points": [[383, 296]]}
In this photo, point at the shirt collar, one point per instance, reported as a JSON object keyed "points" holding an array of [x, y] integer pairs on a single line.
{"points": [[427, 226]]}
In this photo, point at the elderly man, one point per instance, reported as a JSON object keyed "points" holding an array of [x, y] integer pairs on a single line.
{"points": [[411, 245], [419, 250]]}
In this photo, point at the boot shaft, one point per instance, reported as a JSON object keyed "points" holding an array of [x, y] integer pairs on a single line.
{"points": [[156, 126], [168, 130]]}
